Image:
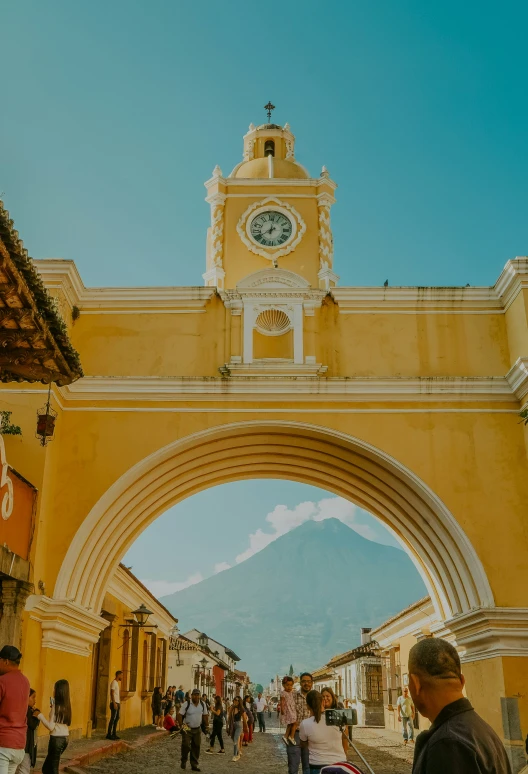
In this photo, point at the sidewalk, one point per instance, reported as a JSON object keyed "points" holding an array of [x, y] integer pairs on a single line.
{"points": [[83, 752]]}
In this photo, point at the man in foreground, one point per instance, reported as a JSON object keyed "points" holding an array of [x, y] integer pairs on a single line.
{"points": [[192, 715], [459, 741], [14, 695]]}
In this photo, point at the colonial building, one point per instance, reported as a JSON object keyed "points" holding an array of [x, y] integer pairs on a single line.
{"points": [[135, 641], [395, 638], [198, 661], [404, 400], [355, 678]]}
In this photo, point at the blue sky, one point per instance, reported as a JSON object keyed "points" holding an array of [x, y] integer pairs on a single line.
{"points": [[115, 113]]}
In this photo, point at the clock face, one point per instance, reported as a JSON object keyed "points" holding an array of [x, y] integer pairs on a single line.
{"points": [[271, 229]]}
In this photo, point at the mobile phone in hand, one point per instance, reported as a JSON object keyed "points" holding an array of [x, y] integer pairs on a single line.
{"points": [[52, 701]]}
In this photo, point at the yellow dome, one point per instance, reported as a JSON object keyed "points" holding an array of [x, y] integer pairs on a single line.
{"points": [[259, 168]]}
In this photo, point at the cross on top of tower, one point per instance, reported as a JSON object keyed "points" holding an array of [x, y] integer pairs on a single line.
{"points": [[268, 108]]}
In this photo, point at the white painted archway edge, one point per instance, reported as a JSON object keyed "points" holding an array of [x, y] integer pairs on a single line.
{"points": [[339, 463]]}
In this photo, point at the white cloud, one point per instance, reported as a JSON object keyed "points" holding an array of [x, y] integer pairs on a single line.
{"points": [[161, 588], [283, 519], [221, 566]]}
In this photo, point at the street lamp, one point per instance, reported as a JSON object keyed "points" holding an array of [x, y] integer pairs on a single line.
{"points": [[142, 614]]}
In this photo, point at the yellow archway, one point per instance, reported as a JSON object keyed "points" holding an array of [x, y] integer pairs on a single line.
{"points": [[306, 453]]}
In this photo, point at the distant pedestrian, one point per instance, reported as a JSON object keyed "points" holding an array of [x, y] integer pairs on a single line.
{"points": [[250, 720], [288, 710], [180, 695], [218, 722], [237, 726], [406, 712], [261, 705], [115, 705], [157, 712], [458, 741], [60, 717], [296, 755], [14, 694], [30, 757], [193, 716]]}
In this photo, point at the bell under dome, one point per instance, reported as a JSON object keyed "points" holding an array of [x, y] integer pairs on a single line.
{"points": [[269, 152]]}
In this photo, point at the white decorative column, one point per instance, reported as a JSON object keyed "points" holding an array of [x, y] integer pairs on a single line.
{"points": [[215, 274], [298, 346], [249, 324], [327, 277]]}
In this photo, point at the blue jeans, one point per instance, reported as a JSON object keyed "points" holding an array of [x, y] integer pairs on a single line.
{"points": [[237, 733], [297, 755], [409, 722]]}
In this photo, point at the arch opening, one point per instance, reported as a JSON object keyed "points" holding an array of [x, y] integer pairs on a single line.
{"points": [[335, 462]]}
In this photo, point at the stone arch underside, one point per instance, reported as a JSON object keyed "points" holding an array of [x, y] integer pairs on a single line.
{"points": [[333, 461]]}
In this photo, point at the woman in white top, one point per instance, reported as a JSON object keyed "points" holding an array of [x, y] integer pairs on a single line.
{"points": [[57, 725], [327, 745]]}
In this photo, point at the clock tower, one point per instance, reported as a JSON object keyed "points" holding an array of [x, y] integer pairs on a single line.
{"points": [[270, 253], [268, 214]]}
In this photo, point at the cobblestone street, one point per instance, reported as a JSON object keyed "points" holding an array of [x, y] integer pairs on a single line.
{"points": [[382, 749]]}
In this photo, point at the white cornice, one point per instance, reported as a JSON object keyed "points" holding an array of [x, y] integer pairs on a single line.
{"points": [[299, 387], [513, 279], [64, 275], [65, 625], [491, 632], [413, 300], [517, 378]]}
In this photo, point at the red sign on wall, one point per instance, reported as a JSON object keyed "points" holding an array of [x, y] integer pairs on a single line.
{"points": [[17, 508]]}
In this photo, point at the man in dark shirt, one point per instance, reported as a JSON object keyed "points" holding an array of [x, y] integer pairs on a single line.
{"points": [[458, 741]]}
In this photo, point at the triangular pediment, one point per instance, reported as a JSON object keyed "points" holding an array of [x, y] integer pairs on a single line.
{"points": [[273, 279]]}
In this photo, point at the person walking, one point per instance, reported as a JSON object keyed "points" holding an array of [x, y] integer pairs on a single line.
{"points": [[193, 715], [237, 726], [250, 722], [218, 722], [180, 696], [115, 705], [459, 741], [30, 752], [261, 705], [59, 719], [298, 756], [327, 745], [157, 712], [406, 714], [14, 693]]}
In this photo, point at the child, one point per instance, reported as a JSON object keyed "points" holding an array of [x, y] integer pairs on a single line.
{"points": [[57, 725], [288, 711], [30, 756]]}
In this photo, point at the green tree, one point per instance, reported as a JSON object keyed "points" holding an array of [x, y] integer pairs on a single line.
{"points": [[291, 673]]}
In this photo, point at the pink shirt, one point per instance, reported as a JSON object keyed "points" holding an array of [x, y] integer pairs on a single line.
{"points": [[14, 695]]}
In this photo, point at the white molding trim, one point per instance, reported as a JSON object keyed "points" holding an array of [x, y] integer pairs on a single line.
{"points": [[271, 253], [277, 381], [273, 279], [513, 279], [491, 632], [65, 625], [517, 378]]}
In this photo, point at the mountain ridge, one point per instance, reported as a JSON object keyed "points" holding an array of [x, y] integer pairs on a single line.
{"points": [[301, 599]]}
